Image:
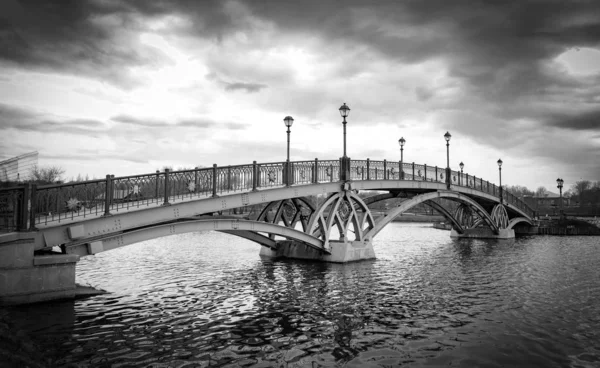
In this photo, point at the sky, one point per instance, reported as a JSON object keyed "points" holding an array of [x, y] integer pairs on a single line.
{"points": [[127, 87]]}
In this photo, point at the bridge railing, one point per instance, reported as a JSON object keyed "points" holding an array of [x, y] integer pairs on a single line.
{"points": [[27, 206]]}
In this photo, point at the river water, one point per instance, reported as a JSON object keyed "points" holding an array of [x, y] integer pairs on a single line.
{"points": [[208, 299]]}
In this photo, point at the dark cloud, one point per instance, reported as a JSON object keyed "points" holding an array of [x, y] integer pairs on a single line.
{"points": [[26, 120], [583, 121], [75, 37]]}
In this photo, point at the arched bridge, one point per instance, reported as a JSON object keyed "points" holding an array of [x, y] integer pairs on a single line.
{"points": [[97, 215]]}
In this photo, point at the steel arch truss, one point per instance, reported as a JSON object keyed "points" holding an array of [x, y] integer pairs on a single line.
{"points": [[474, 209], [288, 212], [500, 216], [347, 212], [447, 215]]}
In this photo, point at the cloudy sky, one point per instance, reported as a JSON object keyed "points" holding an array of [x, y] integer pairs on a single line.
{"points": [[129, 86]]}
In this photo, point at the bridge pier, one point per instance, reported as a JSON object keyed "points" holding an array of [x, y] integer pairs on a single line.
{"points": [[341, 251], [28, 278], [484, 233]]}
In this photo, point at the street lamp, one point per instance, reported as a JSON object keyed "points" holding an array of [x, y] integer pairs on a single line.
{"points": [[462, 166], [401, 142], [559, 185], [447, 137], [288, 120], [344, 111], [500, 175]]}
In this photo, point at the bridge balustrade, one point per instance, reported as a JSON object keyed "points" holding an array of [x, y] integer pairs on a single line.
{"points": [[58, 202]]}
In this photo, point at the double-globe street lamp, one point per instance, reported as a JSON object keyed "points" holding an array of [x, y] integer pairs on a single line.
{"points": [[500, 177], [447, 137], [345, 169], [559, 185], [288, 120], [401, 142]]}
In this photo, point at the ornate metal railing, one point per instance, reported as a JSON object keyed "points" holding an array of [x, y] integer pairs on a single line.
{"points": [[55, 203], [11, 209]]}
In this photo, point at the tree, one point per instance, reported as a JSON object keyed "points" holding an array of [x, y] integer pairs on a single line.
{"points": [[46, 174], [540, 191], [580, 187]]}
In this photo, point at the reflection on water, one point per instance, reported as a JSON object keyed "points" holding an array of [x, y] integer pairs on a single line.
{"points": [[197, 300]]}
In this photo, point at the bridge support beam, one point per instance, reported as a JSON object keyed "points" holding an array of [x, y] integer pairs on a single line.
{"points": [[28, 278], [483, 233], [341, 252]]}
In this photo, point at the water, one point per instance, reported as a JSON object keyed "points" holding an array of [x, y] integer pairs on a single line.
{"points": [[207, 299]]}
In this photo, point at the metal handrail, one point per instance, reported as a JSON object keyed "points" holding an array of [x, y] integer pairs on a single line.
{"points": [[57, 202]]}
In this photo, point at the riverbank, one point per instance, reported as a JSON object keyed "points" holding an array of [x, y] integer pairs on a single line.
{"points": [[568, 227]]}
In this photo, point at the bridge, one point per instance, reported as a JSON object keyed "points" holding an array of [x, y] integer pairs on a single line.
{"points": [[45, 229]]}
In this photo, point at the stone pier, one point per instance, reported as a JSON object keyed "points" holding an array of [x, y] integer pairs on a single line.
{"points": [[341, 252], [484, 233], [29, 278]]}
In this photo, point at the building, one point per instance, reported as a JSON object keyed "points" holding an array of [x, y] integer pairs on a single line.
{"points": [[548, 203], [18, 168]]}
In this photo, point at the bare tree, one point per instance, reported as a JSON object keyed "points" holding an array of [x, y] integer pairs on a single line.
{"points": [[540, 191], [580, 187], [46, 174]]}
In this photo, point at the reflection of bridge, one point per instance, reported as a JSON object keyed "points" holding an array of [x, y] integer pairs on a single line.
{"points": [[88, 217]]}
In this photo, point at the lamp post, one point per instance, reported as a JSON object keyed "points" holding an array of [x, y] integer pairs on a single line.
{"points": [[500, 175], [447, 137], [401, 142], [559, 185], [462, 166], [288, 120], [344, 111], [345, 169]]}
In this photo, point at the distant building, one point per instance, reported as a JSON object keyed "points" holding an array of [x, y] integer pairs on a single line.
{"points": [[18, 168], [549, 201]]}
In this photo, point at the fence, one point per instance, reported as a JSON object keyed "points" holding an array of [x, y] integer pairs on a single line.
{"points": [[21, 208]]}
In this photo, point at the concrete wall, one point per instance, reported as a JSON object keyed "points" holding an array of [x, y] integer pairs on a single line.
{"points": [[27, 278]]}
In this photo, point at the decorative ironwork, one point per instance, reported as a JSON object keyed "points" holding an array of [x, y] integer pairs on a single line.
{"points": [[73, 204], [191, 186], [344, 210], [53, 203], [289, 211]]}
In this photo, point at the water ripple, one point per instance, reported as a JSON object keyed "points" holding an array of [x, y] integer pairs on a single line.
{"points": [[207, 299]]}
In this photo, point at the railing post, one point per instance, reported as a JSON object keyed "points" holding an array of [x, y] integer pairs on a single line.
{"points": [[368, 169], [331, 172], [413, 171], [33, 207], [425, 169], [108, 189], [24, 208], [316, 171], [157, 184], [474, 182], [436, 173], [214, 180], [166, 202], [196, 178], [254, 176], [229, 177], [401, 174], [385, 173]]}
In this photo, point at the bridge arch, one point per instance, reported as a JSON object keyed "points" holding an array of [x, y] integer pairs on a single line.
{"points": [[247, 229], [427, 197], [516, 220]]}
